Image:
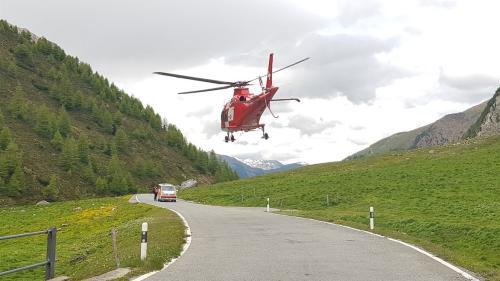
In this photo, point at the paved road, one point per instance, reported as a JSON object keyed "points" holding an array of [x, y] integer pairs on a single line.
{"points": [[231, 243]]}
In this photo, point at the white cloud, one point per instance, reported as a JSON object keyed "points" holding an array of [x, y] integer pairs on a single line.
{"points": [[377, 67]]}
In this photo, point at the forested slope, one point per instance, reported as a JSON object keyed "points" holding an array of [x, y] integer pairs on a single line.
{"points": [[67, 132]]}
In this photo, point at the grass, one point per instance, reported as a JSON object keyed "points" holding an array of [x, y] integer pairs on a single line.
{"points": [[84, 247], [446, 200]]}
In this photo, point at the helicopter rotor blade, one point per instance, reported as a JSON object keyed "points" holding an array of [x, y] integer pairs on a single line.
{"points": [[295, 63], [289, 99], [283, 68], [194, 78], [206, 90]]}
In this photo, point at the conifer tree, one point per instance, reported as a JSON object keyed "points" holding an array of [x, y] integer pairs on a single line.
{"points": [[63, 122], [101, 185], [57, 141], [111, 148], [2, 120], [4, 169], [53, 74], [51, 192], [18, 105], [69, 157], [121, 140], [12, 157], [88, 173], [118, 178], [16, 182], [5, 138], [24, 55], [213, 163], [3, 186], [83, 149], [45, 122]]}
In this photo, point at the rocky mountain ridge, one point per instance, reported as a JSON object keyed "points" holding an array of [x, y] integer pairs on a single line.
{"points": [[480, 120], [488, 123]]}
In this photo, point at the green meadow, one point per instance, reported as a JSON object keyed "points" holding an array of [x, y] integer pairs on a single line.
{"points": [[445, 200], [84, 247]]}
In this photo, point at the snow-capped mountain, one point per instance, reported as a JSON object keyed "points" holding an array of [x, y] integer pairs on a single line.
{"points": [[262, 164], [249, 168]]}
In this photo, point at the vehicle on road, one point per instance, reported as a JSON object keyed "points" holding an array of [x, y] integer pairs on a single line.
{"points": [[167, 192]]}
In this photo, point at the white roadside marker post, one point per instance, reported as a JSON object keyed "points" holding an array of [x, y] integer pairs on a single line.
{"points": [[267, 209], [371, 218], [144, 241]]}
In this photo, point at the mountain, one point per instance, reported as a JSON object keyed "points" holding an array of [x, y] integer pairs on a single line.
{"points": [[246, 168], [449, 129], [262, 164], [67, 132], [489, 122]]}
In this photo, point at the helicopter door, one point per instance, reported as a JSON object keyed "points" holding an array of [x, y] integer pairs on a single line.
{"points": [[230, 114]]}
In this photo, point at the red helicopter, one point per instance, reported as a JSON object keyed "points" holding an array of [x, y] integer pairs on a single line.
{"points": [[243, 111]]}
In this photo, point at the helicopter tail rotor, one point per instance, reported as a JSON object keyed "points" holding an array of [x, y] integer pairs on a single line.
{"points": [[269, 79]]}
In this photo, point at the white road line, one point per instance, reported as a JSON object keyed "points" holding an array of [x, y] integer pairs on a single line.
{"points": [[443, 262], [184, 247], [449, 265]]}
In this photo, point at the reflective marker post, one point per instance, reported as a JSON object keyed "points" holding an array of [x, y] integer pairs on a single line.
{"points": [[371, 218], [144, 240], [267, 209]]}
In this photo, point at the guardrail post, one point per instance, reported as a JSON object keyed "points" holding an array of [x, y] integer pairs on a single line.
{"points": [[115, 247], [51, 253], [144, 240], [371, 218], [267, 209]]}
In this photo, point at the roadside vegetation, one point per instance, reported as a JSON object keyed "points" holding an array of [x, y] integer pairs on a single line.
{"points": [[445, 199], [84, 247]]}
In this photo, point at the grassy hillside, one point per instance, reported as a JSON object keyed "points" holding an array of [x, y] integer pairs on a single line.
{"points": [[445, 199], [84, 247], [67, 132], [398, 142]]}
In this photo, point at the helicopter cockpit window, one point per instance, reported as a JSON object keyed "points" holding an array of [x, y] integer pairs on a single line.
{"points": [[242, 98]]}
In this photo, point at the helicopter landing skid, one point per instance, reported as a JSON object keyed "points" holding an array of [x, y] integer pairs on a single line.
{"points": [[264, 134], [229, 137]]}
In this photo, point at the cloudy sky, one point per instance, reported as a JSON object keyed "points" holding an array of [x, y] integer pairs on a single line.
{"points": [[377, 67]]}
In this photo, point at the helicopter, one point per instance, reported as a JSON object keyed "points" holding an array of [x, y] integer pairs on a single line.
{"points": [[243, 111]]}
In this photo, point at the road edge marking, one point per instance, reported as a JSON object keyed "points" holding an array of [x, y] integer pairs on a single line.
{"points": [[455, 268], [184, 247]]}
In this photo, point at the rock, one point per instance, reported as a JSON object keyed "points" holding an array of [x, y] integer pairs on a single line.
{"points": [[43, 202], [28, 171], [431, 151], [112, 275], [60, 278], [188, 184], [77, 209]]}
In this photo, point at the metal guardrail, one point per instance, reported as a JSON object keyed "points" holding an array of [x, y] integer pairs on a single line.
{"points": [[49, 263]]}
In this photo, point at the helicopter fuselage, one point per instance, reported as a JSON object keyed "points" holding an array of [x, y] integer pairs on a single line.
{"points": [[243, 111]]}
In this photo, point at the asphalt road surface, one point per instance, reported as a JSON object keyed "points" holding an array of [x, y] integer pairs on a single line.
{"points": [[231, 243]]}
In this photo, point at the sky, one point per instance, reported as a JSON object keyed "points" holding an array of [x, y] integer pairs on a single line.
{"points": [[377, 67]]}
